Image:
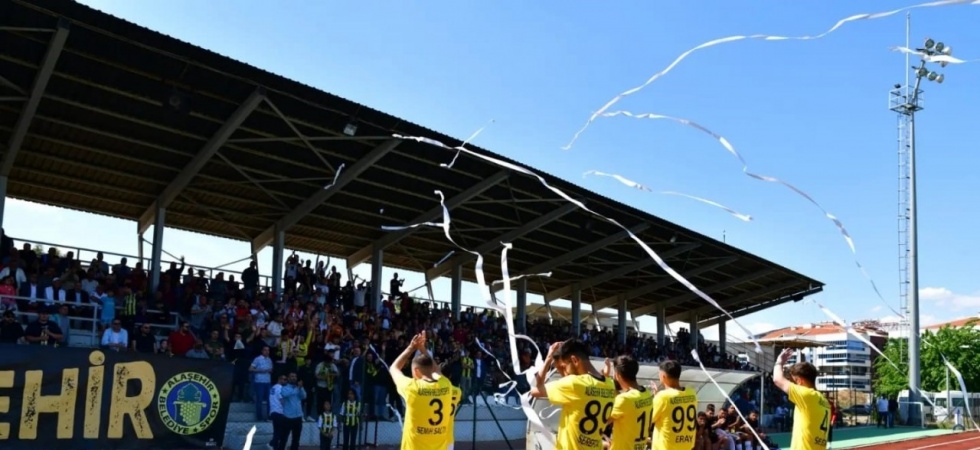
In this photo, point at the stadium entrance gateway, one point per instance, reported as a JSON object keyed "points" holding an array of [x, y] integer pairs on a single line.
{"points": [[119, 400]]}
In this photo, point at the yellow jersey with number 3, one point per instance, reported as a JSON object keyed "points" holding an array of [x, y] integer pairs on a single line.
{"points": [[586, 403], [631, 417], [675, 418], [811, 420], [428, 412]]}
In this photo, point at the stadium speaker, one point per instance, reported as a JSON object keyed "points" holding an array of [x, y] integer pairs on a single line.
{"points": [[178, 102]]}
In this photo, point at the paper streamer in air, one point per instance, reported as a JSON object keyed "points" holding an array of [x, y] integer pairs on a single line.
{"points": [[397, 413], [527, 275], [966, 396], [765, 37], [633, 184], [762, 442], [745, 169], [942, 59], [248, 439], [653, 255]]}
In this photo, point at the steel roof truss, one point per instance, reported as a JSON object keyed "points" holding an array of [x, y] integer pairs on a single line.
{"points": [[734, 301], [727, 284], [300, 135], [652, 287]]}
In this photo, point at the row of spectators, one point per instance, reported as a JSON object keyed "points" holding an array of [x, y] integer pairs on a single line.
{"points": [[321, 327]]}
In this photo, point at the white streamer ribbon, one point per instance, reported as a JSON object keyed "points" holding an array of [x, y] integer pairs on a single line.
{"points": [[654, 255], [248, 439], [694, 353], [635, 185], [526, 275], [947, 59], [966, 398], [765, 37], [745, 169]]}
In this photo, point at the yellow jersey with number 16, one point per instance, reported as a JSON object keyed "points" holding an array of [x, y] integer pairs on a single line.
{"points": [[631, 415], [675, 418], [428, 412], [586, 403], [811, 420]]}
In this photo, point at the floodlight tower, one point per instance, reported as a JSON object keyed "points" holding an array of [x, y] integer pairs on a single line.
{"points": [[906, 102]]}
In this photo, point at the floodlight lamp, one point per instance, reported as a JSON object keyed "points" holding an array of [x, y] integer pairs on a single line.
{"points": [[943, 63], [350, 129], [940, 46], [940, 78], [932, 76], [948, 50], [921, 72], [929, 44]]}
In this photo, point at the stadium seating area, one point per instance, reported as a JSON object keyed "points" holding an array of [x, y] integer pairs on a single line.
{"points": [[320, 327]]}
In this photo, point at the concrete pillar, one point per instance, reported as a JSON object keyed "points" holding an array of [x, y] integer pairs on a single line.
{"points": [[622, 320], [577, 313], [661, 325], [377, 266], [278, 260], [520, 322], [456, 296], [156, 258], [722, 337]]}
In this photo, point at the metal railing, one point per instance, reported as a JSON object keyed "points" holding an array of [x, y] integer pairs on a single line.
{"points": [[89, 331], [264, 280]]}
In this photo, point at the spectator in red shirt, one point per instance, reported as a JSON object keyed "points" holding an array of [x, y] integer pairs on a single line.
{"points": [[182, 340]]}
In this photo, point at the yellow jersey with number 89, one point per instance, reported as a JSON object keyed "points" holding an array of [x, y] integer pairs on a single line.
{"points": [[631, 417], [675, 418], [586, 403], [811, 420], [428, 412]]}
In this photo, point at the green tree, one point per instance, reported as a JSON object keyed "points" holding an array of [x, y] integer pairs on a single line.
{"points": [[957, 344]]}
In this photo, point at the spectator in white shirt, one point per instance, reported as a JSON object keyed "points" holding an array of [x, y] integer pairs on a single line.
{"points": [[115, 337], [275, 412], [20, 278], [55, 293], [261, 369]]}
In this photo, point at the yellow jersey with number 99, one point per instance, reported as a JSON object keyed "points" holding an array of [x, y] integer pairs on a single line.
{"points": [[428, 412], [631, 417], [586, 403], [811, 420], [675, 418]]}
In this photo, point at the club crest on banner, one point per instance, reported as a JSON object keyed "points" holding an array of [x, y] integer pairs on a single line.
{"points": [[188, 403]]}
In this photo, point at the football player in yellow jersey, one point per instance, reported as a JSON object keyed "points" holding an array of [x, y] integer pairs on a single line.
{"points": [[457, 399], [675, 411], [428, 399], [585, 396], [633, 408], [811, 419]]}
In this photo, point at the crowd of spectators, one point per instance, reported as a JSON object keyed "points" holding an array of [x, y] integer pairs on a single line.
{"points": [[321, 327]]}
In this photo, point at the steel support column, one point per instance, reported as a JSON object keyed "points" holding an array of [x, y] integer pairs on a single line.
{"points": [[693, 328], [661, 326], [34, 100], [457, 290], [321, 195], [435, 213], [3, 197], [521, 320], [156, 256], [622, 320], [377, 272], [722, 337], [577, 313], [278, 261]]}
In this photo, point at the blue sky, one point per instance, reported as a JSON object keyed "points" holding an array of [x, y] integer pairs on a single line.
{"points": [[813, 113]]}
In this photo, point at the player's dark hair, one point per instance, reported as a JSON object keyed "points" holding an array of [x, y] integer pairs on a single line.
{"points": [[671, 368], [574, 347], [423, 362], [805, 371], [627, 367]]}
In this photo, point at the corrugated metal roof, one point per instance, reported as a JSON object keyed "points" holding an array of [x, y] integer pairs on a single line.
{"points": [[105, 140]]}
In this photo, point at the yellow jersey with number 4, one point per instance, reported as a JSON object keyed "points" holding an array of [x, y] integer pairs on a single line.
{"points": [[428, 412], [586, 403], [811, 420], [675, 418], [631, 418]]}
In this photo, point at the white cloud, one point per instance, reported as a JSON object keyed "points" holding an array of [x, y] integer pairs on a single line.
{"points": [[876, 309], [941, 296]]}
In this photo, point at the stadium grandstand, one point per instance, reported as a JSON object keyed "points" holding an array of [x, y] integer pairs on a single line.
{"points": [[104, 116]]}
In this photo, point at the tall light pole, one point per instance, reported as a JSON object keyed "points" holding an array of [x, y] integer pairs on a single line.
{"points": [[908, 104]]}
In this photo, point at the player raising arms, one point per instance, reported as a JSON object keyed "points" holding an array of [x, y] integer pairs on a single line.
{"points": [[811, 420], [428, 399], [675, 411], [633, 408], [585, 396]]}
